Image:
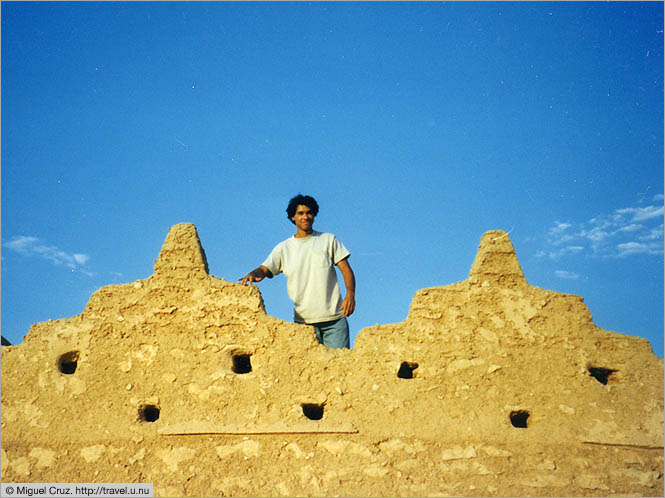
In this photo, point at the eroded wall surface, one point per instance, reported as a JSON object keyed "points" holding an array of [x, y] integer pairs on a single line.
{"points": [[489, 387]]}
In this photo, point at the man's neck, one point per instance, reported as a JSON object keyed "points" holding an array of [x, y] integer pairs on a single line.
{"points": [[301, 234]]}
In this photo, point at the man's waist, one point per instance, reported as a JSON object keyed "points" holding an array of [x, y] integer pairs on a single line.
{"points": [[310, 320]]}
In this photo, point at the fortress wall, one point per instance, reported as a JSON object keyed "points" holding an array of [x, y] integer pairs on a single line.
{"points": [[490, 386]]}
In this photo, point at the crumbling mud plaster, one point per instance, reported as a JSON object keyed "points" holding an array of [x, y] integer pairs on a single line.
{"points": [[489, 387]]}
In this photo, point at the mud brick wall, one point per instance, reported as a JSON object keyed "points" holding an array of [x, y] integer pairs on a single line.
{"points": [[490, 386]]}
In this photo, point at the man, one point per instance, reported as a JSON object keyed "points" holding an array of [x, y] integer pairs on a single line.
{"points": [[307, 260]]}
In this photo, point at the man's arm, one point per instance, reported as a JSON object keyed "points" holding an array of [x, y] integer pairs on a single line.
{"points": [[256, 275], [349, 302]]}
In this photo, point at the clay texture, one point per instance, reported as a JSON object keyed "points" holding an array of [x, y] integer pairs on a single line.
{"points": [[490, 387]]}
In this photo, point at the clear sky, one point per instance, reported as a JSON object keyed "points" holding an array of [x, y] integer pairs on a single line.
{"points": [[417, 127]]}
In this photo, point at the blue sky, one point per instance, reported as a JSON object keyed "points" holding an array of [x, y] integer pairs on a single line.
{"points": [[417, 126]]}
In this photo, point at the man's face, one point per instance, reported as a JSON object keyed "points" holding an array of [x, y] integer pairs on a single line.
{"points": [[304, 219]]}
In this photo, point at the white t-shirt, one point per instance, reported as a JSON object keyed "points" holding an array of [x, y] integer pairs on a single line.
{"points": [[308, 264]]}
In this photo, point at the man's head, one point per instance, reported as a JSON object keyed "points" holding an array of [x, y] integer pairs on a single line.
{"points": [[301, 200]]}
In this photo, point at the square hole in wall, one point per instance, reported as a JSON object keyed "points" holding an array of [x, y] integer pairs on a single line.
{"points": [[602, 374], [241, 363], [148, 413], [518, 418], [406, 370], [68, 362], [313, 411]]}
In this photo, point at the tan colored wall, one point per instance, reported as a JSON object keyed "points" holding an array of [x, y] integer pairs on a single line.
{"points": [[485, 348]]}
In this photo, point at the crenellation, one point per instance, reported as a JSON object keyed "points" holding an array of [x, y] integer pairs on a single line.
{"points": [[490, 386], [182, 250]]}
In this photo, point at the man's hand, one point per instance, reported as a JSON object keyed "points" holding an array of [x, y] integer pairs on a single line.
{"points": [[249, 278], [256, 275], [349, 304]]}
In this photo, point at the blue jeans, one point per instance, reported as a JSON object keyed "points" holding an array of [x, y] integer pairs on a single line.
{"points": [[334, 334]]}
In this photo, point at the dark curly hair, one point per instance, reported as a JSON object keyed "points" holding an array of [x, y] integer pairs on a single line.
{"points": [[301, 200]]}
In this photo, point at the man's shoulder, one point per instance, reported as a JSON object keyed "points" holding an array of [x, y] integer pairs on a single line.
{"points": [[325, 235], [332, 243], [283, 243]]}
